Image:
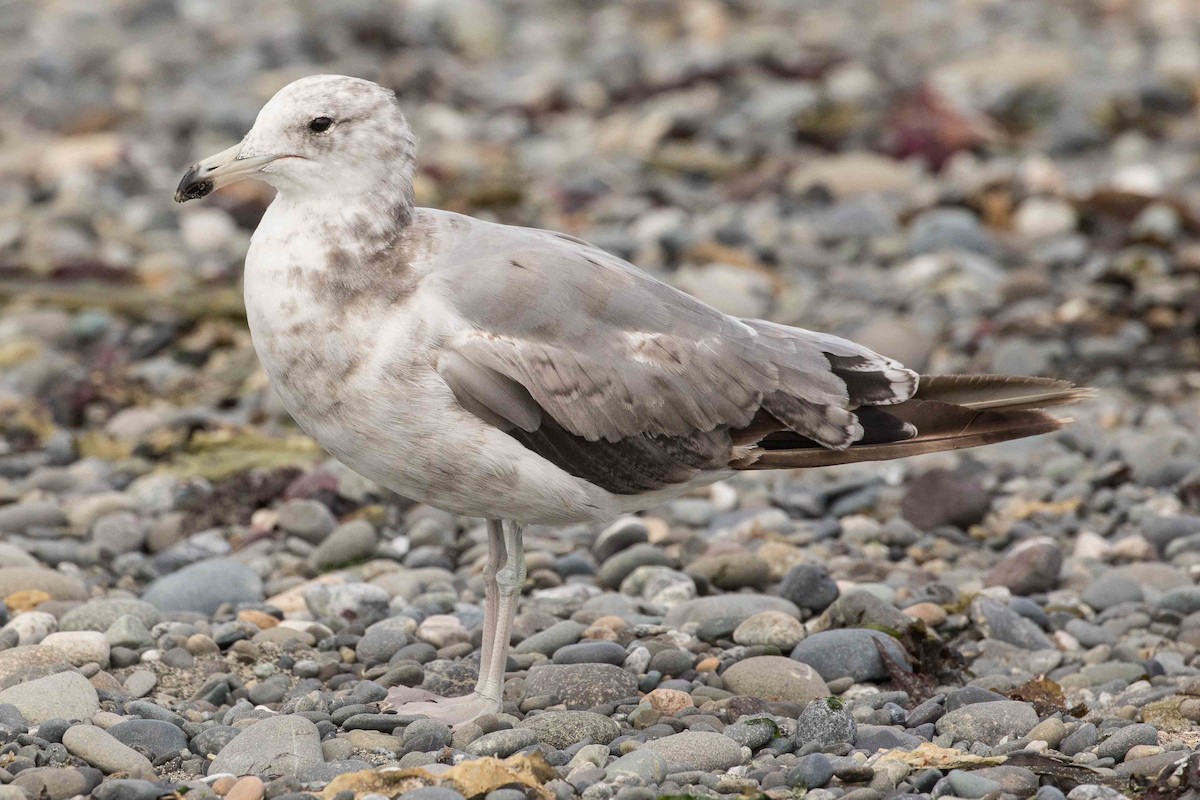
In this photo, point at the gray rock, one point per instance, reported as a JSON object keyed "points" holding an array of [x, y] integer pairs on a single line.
{"points": [[98, 748], [873, 738], [20, 664], [731, 570], [127, 789], [363, 603], [202, 587], [100, 615], [616, 568], [827, 722], [308, 519], [948, 229], [1111, 590], [432, 793], [546, 642], [1079, 740], [810, 772], [56, 783], [282, 745], [350, 542], [850, 652], [1014, 780], [591, 653], [1119, 741], [644, 763], [775, 678], [968, 785], [1185, 600], [1028, 568], [988, 722], [1002, 623], [732, 606], [945, 497], [381, 641], [156, 738], [809, 586], [581, 686], [68, 695], [560, 729], [128, 631], [54, 583], [702, 750], [502, 744], [213, 740], [19, 517], [118, 532], [752, 732]]}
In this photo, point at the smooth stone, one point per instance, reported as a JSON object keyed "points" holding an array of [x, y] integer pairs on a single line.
{"points": [[80, 647], [381, 641], [129, 632], [736, 606], [1121, 740], [809, 586], [769, 629], [810, 772], [281, 745], [1028, 568], [581, 686], [703, 750], [619, 566], [103, 751], [967, 785], [850, 652], [350, 542], [66, 695], [52, 582], [57, 783], [204, 586], [1002, 623], [308, 519], [988, 722], [157, 738], [591, 653], [1111, 590], [502, 744], [645, 763], [775, 678], [731, 571], [211, 741], [100, 615], [30, 662], [560, 729], [873, 738], [547, 642], [127, 789]]}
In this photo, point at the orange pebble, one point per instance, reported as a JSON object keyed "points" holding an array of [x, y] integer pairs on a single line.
{"points": [[259, 618]]}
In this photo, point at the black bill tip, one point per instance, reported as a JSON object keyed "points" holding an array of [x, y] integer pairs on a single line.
{"points": [[191, 187]]}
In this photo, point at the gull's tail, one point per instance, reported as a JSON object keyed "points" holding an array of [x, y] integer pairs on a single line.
{"points": [[948, 412]]}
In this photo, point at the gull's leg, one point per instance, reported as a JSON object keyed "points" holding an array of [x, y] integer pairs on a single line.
{"points": [[485, 699], [509, 581]]}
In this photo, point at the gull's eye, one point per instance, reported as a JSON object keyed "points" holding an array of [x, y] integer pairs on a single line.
{"points": [[320, 124]]}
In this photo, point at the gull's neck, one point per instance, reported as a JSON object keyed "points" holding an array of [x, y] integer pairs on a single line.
{"points": [[353, 228]]}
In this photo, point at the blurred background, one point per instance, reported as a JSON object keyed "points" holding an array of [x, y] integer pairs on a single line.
{"points": [[967, 185]]}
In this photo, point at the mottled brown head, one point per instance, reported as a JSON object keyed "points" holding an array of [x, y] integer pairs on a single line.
{"points": [[321, 136]]}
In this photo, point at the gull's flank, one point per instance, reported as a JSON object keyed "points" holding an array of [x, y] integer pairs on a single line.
{"points": [[525, 376]]}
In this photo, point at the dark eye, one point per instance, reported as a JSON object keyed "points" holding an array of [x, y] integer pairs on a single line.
{"points": [[320, 124]]}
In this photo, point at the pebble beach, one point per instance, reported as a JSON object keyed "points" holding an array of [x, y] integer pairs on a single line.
{"points": [[196, 600]]}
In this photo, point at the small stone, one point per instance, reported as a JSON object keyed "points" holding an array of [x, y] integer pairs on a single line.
{"points": [[80, 647], [502, 744], [581, 686], [701, 750], [1079, 740], [1030, 567], [964, 784], [850, 652], [128, 631], [204, 586], [591, 653], [1111, 590], [1121, 740], [560, 729], [350, 542], [737, 607], [944, 497], [645, 764], [281, 745], [66, 695], [809, 586], [826, 722], [669, 701], [100, 749], [362, 603], [770, 628], [775, 678], [248, 788], [100, 615], [308, 519], [57, 783], [988, 722], [731, 571], [810, 772]]}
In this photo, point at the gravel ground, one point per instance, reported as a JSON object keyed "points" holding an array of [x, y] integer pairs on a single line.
{"points": [[193, 592]]}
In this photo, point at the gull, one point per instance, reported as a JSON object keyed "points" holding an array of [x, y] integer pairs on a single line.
{"points": [[527, 377]]}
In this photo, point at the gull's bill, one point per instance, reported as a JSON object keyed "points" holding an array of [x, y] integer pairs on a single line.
{"points": [[222, 169]]}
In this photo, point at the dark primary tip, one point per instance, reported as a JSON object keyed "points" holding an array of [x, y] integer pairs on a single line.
{"points": [[191, 188]]}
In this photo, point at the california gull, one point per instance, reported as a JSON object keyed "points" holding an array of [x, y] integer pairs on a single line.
{"points": [[525, 376]]}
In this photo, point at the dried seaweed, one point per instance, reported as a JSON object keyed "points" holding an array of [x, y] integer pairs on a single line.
{"points": [[1046, 697]]}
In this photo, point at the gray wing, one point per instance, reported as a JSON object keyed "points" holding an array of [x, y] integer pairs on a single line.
{"points": [[566, 346]]}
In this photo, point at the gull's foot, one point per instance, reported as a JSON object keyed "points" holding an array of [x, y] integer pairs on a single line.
{"points": [[451, 710]]}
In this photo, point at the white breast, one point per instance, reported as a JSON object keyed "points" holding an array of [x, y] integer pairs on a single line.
{"points": [[365, 386]]}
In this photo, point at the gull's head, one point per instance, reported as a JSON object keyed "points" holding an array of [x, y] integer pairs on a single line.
{"points": [[325, 135]]}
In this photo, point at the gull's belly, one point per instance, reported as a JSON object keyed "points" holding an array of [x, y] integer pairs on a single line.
{"points": [[368, 393]]}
